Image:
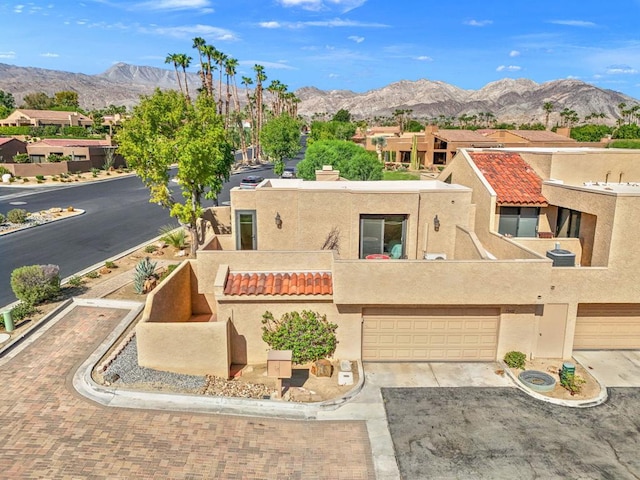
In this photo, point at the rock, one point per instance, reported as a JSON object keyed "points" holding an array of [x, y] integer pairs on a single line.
{"points": [[104, 271], [322, 368]]}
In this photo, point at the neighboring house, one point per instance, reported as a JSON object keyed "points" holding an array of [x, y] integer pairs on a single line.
{"points": [[95, 152], [533, 138], [418, 271], [43, 118], [9, 147]]}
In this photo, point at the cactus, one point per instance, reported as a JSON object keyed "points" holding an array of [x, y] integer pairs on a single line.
{"points": [[145, 277]]}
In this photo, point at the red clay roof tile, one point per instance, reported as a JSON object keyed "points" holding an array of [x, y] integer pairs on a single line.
{"points": [[299, 283], [514, 180]]}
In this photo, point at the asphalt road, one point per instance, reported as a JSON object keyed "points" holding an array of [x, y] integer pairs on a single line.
{"points": [[491, 433], [118, 217]]}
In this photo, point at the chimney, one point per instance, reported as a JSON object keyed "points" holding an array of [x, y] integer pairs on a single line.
{"points": [[431, 129], [327, 174], [564, 131]]}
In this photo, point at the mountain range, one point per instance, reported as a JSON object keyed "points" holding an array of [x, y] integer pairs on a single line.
{"points": [[509, 100]]}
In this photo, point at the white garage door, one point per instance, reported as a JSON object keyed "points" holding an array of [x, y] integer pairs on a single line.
{"points": [[602, 326], [469, 334]]}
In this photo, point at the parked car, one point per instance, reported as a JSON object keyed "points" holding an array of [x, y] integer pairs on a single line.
{"points": [[289, 172], [251, 181]]}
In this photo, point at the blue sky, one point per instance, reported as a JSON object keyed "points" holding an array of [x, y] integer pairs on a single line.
{"points": [[356, 45]]}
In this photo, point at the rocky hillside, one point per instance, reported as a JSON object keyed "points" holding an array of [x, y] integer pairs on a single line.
{"points": [[517, 100]]}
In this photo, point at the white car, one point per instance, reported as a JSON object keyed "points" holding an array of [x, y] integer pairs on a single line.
{"points": [[289, 172]]}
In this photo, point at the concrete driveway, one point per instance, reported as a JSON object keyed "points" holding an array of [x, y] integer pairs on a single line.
{"points": [[490, 433]]}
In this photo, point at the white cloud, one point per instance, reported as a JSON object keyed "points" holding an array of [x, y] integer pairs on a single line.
{"points": [[356, 39], [270, 24], [621, 69], [514, 53], [274, 65], [49, 55], [202, 5], [18, 9], [424, 58], [188, 31], [574, 23], [573, 77], [508, 68], [322, 5], [334, 75], [478, 23], [7, 54]]}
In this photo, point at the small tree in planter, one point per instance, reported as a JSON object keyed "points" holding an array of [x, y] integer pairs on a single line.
{"points": [[35, 284], [307, 334]]}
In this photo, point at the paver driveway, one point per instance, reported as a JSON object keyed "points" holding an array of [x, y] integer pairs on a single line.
{"points": [[48, 431], [495, 433]]}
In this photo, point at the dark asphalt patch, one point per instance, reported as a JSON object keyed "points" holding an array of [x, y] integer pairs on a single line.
{"points": [[495, 433]]}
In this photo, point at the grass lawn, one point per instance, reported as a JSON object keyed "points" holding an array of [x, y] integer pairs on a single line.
{"points": [[632, 143], [400, 176]]}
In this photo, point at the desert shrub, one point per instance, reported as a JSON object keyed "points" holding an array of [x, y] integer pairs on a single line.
{"points": [[76, 281], [572, 383], [307, 334], [4, 170], [21, 158], [150, 248], [21, 311], [17, 215], [176, 237], [40, 177], [167, 272], [110, 264], [145, 277], [34, 284], [92, 274], [515, 359], [2, 218]]}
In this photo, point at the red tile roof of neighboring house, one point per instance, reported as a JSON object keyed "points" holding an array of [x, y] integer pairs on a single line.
{"points": [[7, 140], [300, 283], [513, 179], [462, 136]]}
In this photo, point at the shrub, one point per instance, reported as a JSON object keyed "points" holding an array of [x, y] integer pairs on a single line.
{"points": [[17, 215], [307, 334], [76, 281], [515, 359], [176, 237], [145, 277], [2, 218], [150, 248], [34, 284], [167, 272], [21, 158], [22, 311], [4, 170], [110, 264], [573, 383], [92, 274], [40, 177]]}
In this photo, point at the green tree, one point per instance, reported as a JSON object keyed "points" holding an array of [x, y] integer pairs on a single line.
{"points": [[38, 101], [165, 130], [7, 103], [280, 138], [548, 108], [590, 133], [627, 131], [66, 98], [353, 161], [342, 115]]}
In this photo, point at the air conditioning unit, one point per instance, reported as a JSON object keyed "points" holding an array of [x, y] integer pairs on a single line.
{"points": [[435, 256]]}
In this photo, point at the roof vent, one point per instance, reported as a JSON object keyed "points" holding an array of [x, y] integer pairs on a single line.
{"points": [[562, 258]]}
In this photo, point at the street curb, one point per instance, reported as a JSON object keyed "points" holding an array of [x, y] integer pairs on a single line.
{"points": [[79, 210]]}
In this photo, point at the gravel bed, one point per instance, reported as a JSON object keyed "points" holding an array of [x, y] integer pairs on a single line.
{"points": [[124, 371], [126, 367], [32, 220]]}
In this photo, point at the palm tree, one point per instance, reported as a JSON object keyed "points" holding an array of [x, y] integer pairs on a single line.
{"points": [[548, 108], [247, 81], [198, 44], [260, 77], [174, 58], [209, 51], [220, 58], [184, 61], [230, 72], [379, 142]]}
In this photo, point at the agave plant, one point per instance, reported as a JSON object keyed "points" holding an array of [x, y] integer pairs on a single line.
{"points": [[145, 277], [176, 237]]}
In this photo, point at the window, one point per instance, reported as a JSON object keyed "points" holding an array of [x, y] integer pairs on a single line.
{"points": [[519, 221], [568, 223], [246, 230], [383, 234], [36, 158]]}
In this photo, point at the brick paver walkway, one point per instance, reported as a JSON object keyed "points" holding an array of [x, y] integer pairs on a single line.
{"points": [[48, 431]]}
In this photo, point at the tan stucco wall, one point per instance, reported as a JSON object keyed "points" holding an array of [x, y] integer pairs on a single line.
{"points": [[33, 169], [517, 330], [542, 246], [194, 348]]}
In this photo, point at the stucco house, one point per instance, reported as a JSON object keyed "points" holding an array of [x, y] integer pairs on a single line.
{"points": [[429, 270], [9, 147], [41, 118]]}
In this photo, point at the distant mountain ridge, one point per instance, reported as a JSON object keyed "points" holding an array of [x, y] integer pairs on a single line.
{"points": [[510, 100]]}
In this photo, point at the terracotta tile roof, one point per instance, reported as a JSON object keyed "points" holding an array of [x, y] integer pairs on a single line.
{"points": [[513, 179], [7, 140], [463, 136], [299, 283]]}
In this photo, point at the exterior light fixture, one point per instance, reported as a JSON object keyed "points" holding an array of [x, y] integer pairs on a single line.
{"points": [[436, 223], [278, 220]]}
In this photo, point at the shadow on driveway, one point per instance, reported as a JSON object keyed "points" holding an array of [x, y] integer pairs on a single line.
{"points": [[495, 433]]}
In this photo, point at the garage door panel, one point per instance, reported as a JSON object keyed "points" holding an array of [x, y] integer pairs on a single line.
{"points": [[601, 326], [423, 338]]}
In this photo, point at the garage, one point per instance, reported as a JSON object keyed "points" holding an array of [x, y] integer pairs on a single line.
{"points": [[607, 326], [443, 334]]}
